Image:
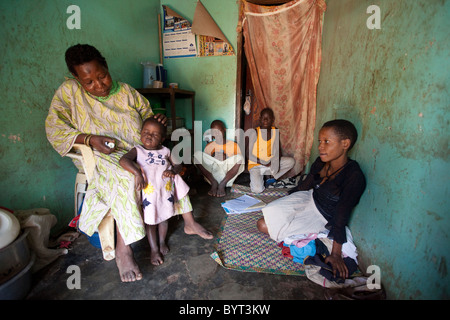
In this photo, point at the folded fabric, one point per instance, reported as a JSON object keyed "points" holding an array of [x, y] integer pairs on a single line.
{"points": [[348, 248], [321, 248], [285, 251], [299, 254], [303, 242], [286, 183], [299, 237], [326, 269]]}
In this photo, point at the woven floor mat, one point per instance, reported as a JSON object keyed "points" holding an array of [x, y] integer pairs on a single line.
{"points": [[275, 192], [242, 247]]}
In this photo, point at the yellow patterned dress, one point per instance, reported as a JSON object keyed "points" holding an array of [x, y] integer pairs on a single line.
{"points": [[74, 111]]}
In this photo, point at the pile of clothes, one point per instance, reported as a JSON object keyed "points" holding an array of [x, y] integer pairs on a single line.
{"points": [[311, 251], [286, 183]]}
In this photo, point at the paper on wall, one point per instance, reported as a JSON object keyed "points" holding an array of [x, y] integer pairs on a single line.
{"points": [[178, 39], [210, 39]]}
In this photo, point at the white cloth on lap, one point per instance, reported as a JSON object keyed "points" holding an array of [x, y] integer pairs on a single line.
{"points": [[219, 168], [292, 215]]}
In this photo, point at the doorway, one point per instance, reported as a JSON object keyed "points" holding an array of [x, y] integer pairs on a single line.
{"points": [[244, 85], [248, 118]]}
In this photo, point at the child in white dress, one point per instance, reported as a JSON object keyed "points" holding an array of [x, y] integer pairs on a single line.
{"points": [[164, 193]]}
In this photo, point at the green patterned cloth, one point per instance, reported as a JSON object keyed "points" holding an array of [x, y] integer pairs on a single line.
{"points": [[74, 111]]}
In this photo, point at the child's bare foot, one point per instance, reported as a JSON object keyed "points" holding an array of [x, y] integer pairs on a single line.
{"points": [[195, 228], [128, 268], [163, 248], [213, 191], [221, 191], [156, 258]]}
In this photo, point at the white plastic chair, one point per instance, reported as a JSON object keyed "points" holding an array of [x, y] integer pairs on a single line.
{"points": [[85, 156]]}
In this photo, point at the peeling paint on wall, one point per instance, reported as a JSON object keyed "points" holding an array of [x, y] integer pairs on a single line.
{"points": [[14, 138]]}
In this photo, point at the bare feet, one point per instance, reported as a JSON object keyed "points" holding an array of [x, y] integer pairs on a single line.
{"points": [[163, 248], [213, 191], [217, 190], [128, 268], [221, 190], [197, 229], [156, 258]]}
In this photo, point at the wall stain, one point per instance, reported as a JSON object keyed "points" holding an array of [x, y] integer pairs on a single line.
{"points": [[434, 215], [443, 267], [14, 138]]}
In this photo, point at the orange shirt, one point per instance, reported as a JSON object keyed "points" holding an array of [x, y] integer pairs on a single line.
{"points": [[230, 148]]}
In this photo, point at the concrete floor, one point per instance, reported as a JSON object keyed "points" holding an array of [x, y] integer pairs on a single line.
{"points": [[188, 273]]}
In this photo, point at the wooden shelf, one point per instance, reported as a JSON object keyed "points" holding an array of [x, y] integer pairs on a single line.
{"points": [[171, 94], [167, 92]]}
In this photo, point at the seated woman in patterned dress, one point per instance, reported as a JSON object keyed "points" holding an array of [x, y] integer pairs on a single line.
{"points": [[106, 115]]}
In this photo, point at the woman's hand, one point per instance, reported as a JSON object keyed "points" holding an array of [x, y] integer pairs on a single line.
{"points": [[103, 144], [338, 264], [161, 118], [336, 261]]}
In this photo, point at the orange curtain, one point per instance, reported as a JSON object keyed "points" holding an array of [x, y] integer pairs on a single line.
{"points": [[283, 50]]}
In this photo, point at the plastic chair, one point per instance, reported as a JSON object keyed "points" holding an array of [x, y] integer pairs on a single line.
{"points": [[85, 156]]}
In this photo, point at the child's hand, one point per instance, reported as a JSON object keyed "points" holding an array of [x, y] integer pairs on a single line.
{"points": [[168, 174], [139, 182]]}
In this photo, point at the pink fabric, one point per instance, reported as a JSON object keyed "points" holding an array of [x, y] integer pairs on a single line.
{"points": [[283, 49], [160, 195], [303, 242]]}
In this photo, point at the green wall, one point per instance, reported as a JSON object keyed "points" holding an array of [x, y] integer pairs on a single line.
{"points": [[393, 84], [212, 78], [33, 40]]}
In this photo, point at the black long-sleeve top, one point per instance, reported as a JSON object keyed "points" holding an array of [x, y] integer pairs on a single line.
{"points": [[335, 199]]}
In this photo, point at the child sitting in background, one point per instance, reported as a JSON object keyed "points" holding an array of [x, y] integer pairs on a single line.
{"points": [[221, 161], [164, 193], [265, 156]]}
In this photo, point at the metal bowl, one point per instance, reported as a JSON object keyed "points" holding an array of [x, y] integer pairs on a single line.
{"points": [[14, 257], [17, 287]]}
